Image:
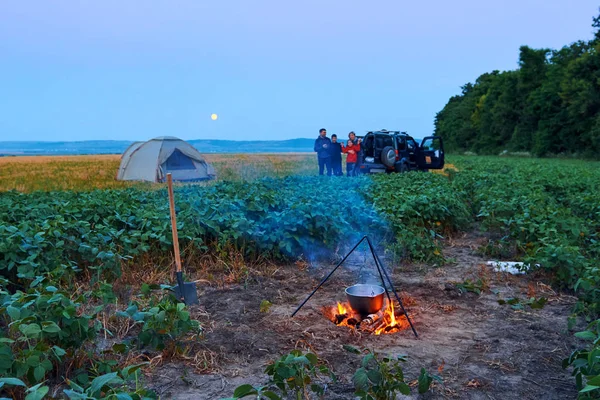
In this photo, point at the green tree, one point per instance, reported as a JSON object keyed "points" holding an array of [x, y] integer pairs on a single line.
{"points": [[549, 105]]}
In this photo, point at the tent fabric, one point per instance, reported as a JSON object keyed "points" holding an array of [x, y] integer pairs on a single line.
{"points": [[153, 160], [177, 160]]}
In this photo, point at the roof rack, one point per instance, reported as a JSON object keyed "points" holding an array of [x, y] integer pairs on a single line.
{"points": [[386, 131]]}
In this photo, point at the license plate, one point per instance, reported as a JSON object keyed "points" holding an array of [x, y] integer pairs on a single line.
{"points": [[428, 159]]}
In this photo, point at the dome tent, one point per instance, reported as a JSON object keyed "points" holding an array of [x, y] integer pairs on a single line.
{"points": [[153, 160]]}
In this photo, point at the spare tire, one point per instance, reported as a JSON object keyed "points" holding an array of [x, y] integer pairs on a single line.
{"points": [[388, 156]]}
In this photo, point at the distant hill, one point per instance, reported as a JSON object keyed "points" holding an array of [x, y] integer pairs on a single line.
{"points": [[118, 146]]}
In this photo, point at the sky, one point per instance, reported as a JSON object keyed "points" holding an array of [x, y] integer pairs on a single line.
{"points": [[271, 70]]}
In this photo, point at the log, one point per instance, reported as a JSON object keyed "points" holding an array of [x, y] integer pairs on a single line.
{"points": [[353, 319], [372, 318], [339, 318], [370, 328], [350, 317]]}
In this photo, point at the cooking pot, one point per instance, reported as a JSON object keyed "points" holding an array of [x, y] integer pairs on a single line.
{"points": [[365, 299]]}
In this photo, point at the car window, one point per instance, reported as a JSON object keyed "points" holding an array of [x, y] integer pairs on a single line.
{"points": [[382, 141], [431, 144], [410, 144], [401, 143]]}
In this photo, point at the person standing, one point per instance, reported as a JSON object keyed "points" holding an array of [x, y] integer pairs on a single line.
{"points": [[336, 156], [352, 149], [361, 156], [322, 145]]}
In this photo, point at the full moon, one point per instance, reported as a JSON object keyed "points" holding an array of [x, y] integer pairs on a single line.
{"points": [[214, 117]]}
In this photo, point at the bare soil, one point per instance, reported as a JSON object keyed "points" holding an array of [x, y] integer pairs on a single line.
{"points": [[481, 349]]}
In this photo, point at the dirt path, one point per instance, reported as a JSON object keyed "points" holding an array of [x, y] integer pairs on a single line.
{"points": [[482, 350]]}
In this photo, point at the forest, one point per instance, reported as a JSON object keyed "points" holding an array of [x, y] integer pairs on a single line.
{"points": [[547, 106]]}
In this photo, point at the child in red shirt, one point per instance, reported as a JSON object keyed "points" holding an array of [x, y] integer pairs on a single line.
{"points": [[352, 149]]}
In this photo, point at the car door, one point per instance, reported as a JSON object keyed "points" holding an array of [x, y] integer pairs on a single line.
{"points": [[412, 148], [367, 146], [431, 153]]}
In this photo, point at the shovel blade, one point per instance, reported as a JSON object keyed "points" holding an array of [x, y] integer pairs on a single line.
{"points": [[187, 293]]}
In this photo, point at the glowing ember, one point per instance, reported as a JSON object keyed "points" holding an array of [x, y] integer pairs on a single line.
{"points": [[387, 320]]}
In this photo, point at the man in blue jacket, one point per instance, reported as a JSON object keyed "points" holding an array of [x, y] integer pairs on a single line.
{"points": [[322, 147]]}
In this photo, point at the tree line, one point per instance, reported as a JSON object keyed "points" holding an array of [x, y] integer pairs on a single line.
{"points": [[549, 105]]}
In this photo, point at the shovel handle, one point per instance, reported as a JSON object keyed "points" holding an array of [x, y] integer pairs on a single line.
{"points": [[174, 224]]}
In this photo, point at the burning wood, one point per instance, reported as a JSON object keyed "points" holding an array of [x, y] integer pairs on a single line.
{"points": [[372, 327], [386, 320], [372, 318], [344, 315], [339, 318]]}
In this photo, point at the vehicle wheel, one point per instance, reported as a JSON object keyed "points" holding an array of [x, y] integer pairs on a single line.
{"points": [[388, 156]]}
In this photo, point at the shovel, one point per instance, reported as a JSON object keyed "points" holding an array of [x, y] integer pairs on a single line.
{"points": [[185, 291]]}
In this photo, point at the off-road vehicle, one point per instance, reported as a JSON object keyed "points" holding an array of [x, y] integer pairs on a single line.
{"points": [[395, 151]]}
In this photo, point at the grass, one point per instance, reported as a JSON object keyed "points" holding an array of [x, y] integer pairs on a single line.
{"points": [[252, 166], [49, 173]]}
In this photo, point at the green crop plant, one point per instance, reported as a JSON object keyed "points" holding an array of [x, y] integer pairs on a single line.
{"points": [[162, 322], [43, 325], [586, 363], [543, 212], [112, 385], [102, 231], [296, 373], [382, 378]]}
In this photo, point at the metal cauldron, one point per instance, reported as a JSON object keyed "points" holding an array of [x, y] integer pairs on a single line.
{"points": [[365, 299]]}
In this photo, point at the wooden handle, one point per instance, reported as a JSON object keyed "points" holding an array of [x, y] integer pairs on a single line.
{"points": [[174, 223]]}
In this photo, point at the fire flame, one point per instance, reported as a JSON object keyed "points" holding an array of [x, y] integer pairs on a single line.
{"points": [[389, 316], [343, 315]]}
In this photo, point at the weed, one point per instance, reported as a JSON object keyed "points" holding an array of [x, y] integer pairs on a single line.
{"points": [[470, 286], [518, 304]]}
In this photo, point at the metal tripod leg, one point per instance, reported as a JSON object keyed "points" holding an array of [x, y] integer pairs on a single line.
{"points": [[381, 268], [328, 276]]}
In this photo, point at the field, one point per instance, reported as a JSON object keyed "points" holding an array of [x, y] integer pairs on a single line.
{"points": [[31, 173], [84, 312]]}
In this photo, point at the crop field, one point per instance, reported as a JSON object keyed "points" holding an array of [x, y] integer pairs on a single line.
{"points": [[86, 266]]}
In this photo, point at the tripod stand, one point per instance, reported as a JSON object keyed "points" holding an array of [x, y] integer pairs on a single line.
{"points": [[380, 269]]}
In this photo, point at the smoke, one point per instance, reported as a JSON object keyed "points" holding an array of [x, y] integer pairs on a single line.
{"points": [[317, 219]]}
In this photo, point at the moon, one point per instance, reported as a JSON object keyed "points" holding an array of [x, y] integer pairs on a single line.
{"points": [[214, 117]]}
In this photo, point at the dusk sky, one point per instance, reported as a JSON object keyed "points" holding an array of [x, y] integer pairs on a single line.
{"points": [[133, 70]]}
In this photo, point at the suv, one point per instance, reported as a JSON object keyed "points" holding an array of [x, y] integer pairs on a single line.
{"points": [[395, 151]]}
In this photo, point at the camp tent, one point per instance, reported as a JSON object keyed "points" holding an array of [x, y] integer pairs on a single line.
{"points": [[153, 160]]}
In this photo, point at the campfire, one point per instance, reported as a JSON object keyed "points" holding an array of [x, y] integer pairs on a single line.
{"points": [[367, 309], [389, 319]]}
